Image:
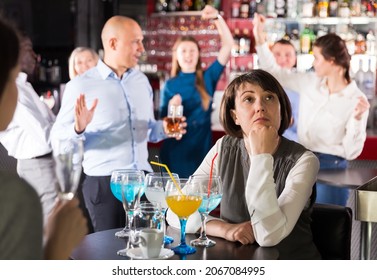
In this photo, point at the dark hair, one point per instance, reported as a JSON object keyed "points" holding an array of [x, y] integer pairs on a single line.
{"points": [[334, 48], [285, 42], [268, 83], [9, 51]]}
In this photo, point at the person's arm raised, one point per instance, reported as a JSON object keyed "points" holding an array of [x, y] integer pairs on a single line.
{"points": [[258, 29], [225, 35]]}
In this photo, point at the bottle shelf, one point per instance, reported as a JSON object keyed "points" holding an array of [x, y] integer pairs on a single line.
{"points": [[314, 20], [177, 14], [337, 20], [203, 32]]}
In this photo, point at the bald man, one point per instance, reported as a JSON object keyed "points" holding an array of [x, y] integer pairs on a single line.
{"points": [[111, 107]]}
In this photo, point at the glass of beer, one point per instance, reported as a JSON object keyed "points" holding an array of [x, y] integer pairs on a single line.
{"points": [[174, 118]]}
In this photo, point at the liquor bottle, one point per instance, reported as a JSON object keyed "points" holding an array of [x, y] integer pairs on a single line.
{"points": [[323, 7], [161, 6], [371, 43], [42, 71], [369, 81], [333, 8], [359, 75], [306, 40], [261, 7], [174, 6], [270, 9], [344, 9], [55, 71], [307, 8], [356, 8], [367, 8], [244, 42], [361, 44], [236, 4], [199, 5], [236, 42], [244, 9], [280, 8], [291, 8], [351, 39], [187, 5]]}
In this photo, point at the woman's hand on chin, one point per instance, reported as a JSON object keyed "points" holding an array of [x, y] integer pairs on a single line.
{"points": [[262, 139]]}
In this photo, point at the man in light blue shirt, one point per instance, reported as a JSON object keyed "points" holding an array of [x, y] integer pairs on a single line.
{"points": [[119, 122]]}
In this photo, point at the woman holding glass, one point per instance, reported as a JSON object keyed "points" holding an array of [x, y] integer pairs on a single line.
{"points": [[193, 87], [267, 179]]}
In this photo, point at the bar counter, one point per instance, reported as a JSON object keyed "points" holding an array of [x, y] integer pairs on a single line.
{"points": [[104, 245]]}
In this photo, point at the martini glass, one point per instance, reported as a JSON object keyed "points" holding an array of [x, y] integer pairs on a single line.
{"points": [[211, 191], [127, 186], [155, 183], [183, 199]]}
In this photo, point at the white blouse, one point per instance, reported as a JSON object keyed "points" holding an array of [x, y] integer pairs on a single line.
{"points": [[28, 134], [272, 218], [326, 123]]}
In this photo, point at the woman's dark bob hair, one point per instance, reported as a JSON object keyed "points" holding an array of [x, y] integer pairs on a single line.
{"points": [[268, 83]]}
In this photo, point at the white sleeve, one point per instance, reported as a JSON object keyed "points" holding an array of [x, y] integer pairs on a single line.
{"points": [[274, 218]]}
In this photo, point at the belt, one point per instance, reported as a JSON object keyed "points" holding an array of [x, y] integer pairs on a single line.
{"points": [[43, 156]]}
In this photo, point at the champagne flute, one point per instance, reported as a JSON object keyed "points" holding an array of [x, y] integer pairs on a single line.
{"points": [[127, 184], [211, 191], [155, 183], [183, 198], [68, 156]]}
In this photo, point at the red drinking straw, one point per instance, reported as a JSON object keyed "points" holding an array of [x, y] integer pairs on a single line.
{"points": [[210, 175]]}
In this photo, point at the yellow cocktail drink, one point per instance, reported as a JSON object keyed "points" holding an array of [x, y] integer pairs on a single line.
{"points": [[183, 205]]}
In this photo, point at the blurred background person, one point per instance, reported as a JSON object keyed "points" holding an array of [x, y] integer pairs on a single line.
{"points": [[27, 137], [285, 54], [81, 60], [333, 111], [21, 219], [194, 88]]}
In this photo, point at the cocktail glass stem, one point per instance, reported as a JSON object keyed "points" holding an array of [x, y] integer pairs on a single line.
{"points": [[183, 248], [167, 239], [203, 234], [130, 218], [130, 215], [183, 223], [203, 240], [125, 231]]}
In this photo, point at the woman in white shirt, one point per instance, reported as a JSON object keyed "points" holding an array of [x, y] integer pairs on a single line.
{"points": [[333, 111], [268, 180]]}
